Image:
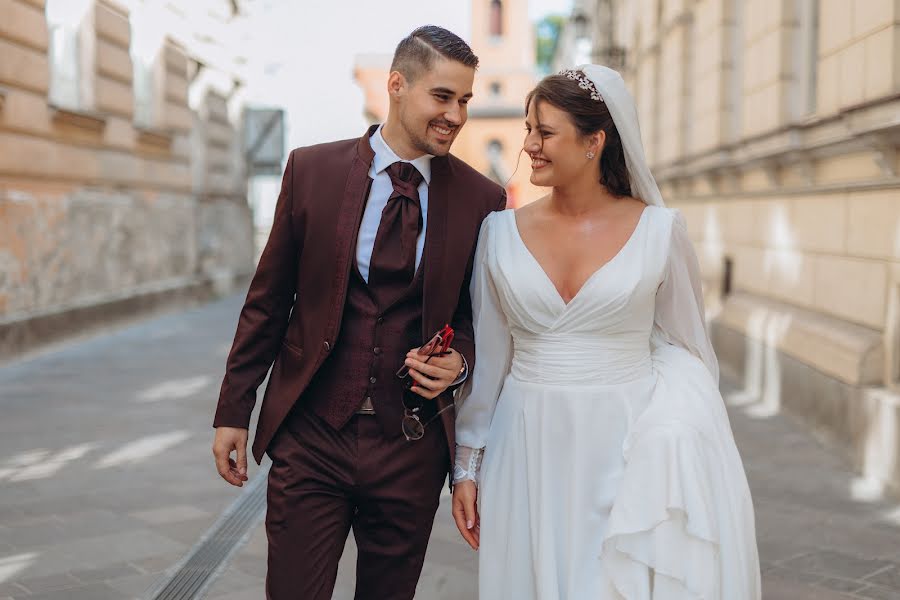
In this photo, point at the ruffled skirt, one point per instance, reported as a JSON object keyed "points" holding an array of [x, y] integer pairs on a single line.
{"points": [[630, 491]]}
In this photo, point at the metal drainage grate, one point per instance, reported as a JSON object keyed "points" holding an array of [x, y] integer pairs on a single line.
{"points": [[203, 563]]}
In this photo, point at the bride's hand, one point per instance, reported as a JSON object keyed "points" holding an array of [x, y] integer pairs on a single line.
{"points": [[465, 511]]}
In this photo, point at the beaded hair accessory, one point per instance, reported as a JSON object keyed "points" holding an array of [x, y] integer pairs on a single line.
{"points": [[583, 82]]}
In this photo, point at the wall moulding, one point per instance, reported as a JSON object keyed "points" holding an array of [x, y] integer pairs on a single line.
{"points": [[78, 118], [873, 128], [158, 138]]}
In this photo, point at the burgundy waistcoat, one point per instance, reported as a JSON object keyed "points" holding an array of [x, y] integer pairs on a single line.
{"points": [[373, 344]]}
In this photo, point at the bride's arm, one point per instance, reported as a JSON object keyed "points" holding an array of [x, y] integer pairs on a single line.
{"points": [[477, 398], [680, 316]]}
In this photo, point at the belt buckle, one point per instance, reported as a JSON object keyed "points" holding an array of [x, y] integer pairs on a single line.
{"points": [[367, 408]]}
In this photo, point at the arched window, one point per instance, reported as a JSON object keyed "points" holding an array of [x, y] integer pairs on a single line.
{"points": [[496, 18]]}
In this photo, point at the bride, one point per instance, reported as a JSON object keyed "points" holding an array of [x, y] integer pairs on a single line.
{"points": [[595, 460]]}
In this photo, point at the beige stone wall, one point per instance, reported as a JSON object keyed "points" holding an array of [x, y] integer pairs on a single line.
{"points": [[772, 124], [94, 208], [858, 52]]}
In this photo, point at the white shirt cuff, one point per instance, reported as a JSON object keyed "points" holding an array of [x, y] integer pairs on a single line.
{"points": [[465, 371]]}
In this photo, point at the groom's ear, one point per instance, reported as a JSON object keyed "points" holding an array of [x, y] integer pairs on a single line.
{"points": [[396, 83]]}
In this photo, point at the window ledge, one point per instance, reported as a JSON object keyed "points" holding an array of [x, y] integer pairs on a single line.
{"points": [[79, 118], [153, 136]]}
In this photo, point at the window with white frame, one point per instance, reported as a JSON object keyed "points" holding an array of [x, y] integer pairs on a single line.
{"points": [[71, 53], [147, 36]]}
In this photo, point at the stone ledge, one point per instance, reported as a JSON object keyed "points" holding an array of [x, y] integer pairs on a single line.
{"points": [[864, 422], [89, 120], [30, 333], [156, 137], [497, 112], [850, 353], [850, 130]]}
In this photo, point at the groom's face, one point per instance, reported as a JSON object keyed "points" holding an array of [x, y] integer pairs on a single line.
{"points": [[433, 107]]}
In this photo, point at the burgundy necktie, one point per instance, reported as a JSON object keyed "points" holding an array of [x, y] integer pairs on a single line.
{"points": [[393, 263]]}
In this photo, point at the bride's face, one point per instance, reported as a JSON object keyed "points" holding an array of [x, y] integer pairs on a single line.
{"points": [[557, 149]]}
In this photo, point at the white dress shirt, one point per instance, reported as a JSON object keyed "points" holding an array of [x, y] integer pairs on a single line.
{"points": [[382, 188]]}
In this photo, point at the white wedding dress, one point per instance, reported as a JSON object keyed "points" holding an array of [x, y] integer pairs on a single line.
{"points": [[609, 468]]}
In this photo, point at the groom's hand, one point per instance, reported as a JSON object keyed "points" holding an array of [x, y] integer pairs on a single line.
{"points": [[230, 439], [465, 512], [435, 376]]}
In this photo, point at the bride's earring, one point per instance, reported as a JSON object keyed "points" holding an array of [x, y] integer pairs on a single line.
{"points": [[590, 155]]}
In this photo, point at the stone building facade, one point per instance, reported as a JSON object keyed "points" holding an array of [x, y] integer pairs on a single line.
{"points": [[774, 126], [503, 38], [122, 185]]}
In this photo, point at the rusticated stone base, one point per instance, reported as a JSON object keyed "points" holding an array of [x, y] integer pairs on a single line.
{"points": [[83, 258], [863, 420]]}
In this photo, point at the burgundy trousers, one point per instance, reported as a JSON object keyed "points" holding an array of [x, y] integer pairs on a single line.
{"points": [[324, 482]]}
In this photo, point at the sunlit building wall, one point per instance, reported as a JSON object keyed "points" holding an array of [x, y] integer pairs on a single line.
{"points": [[774, 125], [122, 185]]}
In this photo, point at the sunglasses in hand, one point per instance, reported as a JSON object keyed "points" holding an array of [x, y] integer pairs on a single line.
{"points": [[438, 345], [412, 425]]}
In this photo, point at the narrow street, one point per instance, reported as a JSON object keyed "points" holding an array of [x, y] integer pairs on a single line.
{"points": [[107, 483]]}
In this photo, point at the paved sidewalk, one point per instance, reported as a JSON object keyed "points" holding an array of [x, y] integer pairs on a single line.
{"points": [[106, 480]]}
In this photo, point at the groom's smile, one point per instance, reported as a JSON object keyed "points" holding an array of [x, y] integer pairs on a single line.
{"points": [[444, 132]]}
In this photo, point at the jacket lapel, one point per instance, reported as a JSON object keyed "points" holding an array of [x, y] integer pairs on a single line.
{"points": [[435, 242], [350, 216]]}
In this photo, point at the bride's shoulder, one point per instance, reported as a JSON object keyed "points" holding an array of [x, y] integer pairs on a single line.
{"points": [[492, 222], [664, 214], [495, 217]]}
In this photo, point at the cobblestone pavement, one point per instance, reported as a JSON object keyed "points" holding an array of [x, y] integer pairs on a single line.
{"points": [[106, 481]]}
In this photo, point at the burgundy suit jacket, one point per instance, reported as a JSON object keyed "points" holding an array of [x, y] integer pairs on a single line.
{"points": [[292, 314]]}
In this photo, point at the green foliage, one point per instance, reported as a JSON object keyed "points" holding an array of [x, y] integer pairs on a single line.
{"points": [[547, 39]]}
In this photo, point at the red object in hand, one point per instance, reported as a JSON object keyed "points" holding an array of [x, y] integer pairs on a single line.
{"points": [[438, 344]]}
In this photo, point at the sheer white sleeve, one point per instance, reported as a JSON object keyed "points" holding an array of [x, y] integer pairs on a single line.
{"points": [[680, 316], [477, 398]]}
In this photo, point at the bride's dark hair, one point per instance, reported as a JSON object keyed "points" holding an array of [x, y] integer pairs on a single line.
{"points": [[589, 116]]}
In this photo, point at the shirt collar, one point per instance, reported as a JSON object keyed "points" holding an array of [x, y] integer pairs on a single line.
{"points": [[385, 157]]}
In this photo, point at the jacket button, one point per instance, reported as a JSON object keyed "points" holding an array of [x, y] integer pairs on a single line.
{"points": [[373, 379], [376, 350], [327, 346]]}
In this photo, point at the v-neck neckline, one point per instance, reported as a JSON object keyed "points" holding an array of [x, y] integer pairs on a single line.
{"points": [[592, 276]]}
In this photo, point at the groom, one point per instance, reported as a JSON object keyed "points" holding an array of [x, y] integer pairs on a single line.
{"points": [[370, 253]]}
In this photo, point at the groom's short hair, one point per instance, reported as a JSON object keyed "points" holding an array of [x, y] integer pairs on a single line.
{"points": [[418, 51]]}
